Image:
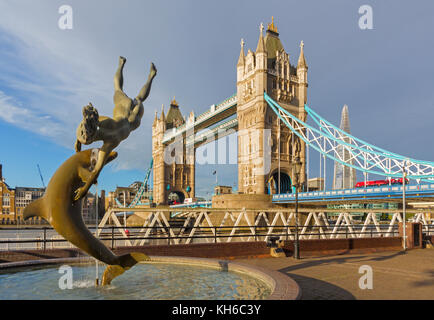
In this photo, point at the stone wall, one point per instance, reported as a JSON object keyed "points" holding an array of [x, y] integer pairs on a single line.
{"points": [[247, 201], [232, 250]]}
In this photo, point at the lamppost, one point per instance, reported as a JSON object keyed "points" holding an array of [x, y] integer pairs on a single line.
{"points": [[96, 233], [296, 167], [404, 231]]}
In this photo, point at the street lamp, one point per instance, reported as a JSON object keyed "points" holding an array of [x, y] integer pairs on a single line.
{"points": [[297, 168], [404, 231]]}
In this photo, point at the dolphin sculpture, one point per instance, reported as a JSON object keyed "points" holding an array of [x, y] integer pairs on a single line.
{"points": [[64, 214]]}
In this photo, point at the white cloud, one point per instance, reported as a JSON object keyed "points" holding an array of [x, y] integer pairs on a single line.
{"points": [[23, 117], [48, 75]]}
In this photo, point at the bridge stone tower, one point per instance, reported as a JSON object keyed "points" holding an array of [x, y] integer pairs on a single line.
{"points": [[266, 147], [173, 166], [269, 69]]}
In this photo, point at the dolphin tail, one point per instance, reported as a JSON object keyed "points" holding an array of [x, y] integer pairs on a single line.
{"points": [[35, 209], [126, 262]]}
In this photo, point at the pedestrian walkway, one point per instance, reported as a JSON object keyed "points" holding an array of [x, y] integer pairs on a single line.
{"points": [[396, 275]]}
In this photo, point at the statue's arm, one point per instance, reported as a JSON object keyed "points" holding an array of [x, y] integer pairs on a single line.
{"points": [[89, 179], [84, 174], [77, 146]]}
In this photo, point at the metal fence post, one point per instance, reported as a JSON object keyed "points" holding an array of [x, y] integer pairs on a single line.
{"points": [[45, 238], [113, 237]]}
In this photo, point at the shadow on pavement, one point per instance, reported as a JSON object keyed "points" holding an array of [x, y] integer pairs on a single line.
{"points": [[314, 289], [337, 260], [317, 262], [387, 257], [427, 282], [317, 289]]}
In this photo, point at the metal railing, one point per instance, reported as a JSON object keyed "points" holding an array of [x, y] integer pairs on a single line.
{"points": [[112, 237]]}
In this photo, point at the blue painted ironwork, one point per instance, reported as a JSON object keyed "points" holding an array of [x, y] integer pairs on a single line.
{"points": [[367, 158], [197, 204], [359, 194], [143, 187]]}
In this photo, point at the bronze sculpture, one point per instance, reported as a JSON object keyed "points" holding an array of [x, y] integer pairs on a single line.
{"points": [[62, 202]]}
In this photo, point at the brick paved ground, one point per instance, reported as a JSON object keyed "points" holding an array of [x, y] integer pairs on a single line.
{"points": [[395, 275]]}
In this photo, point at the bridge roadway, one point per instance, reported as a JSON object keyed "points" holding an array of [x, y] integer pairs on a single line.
{"points": [[392, 193], [423, 192], [380, 194]]}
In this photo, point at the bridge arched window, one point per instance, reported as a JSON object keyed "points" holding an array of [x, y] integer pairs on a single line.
{"points": [[283, 146]]}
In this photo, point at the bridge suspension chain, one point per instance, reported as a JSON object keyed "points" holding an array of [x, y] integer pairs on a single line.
{"points": [[329, 139]]}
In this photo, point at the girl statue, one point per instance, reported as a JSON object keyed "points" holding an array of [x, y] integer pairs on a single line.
{"points": [[127, 114]]}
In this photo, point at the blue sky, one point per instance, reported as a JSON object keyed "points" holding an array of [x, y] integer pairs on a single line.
{"points": [[47, 75]]}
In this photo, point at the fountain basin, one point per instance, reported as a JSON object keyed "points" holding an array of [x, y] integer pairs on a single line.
{"points": [[169, 278]]}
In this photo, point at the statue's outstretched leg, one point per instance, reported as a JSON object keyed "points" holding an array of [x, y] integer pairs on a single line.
{"points": [[136, 113], [119, 78], [144, 92], [121, 101]]}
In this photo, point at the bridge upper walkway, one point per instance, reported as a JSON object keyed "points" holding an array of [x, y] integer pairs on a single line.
{"points": [[213, 115]]}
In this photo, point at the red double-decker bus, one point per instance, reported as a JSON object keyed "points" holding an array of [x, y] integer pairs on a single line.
{"points": [[377, 183]]}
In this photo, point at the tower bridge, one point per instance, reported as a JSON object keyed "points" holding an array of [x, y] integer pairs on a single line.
{"points": [[269, 112]]}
